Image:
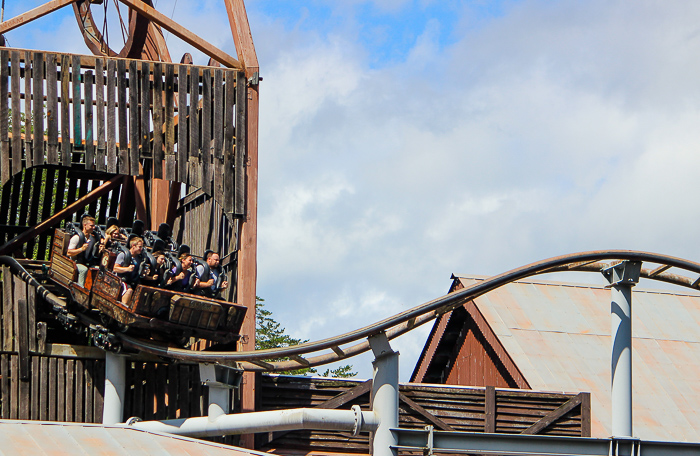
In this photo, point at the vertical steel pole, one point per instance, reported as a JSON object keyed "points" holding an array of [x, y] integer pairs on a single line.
{"points": [[622, 278], [115, 386], [385, 395], [219, 388]]}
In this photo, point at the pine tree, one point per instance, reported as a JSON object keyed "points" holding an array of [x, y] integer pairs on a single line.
{"points": [[270, 334]]}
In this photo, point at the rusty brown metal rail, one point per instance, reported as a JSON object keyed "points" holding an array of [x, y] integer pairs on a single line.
{"points": [[265, 360]]}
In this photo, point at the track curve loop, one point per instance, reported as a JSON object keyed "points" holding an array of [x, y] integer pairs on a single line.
{"points": [[401, 323], [394, 326]]}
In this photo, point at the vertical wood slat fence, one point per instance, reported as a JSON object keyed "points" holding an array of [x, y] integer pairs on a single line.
{"points": [[98, 114], [38, 384]]}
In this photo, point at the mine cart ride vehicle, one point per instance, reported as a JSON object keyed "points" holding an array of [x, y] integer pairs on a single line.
{"points": [[151, 312]]}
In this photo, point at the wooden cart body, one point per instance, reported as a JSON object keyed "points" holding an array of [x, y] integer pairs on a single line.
{"points": [[150, 308]]}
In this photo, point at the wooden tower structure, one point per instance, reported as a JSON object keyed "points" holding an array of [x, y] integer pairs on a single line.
{"points": [[127, 133]]}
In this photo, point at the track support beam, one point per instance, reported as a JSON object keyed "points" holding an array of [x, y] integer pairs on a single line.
{"points": [[385, 395], [622, 278], [115, 387]]}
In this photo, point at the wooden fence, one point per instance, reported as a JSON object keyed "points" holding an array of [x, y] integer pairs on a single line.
{"points": [[65, 382], [445, 408], [172, 121]]}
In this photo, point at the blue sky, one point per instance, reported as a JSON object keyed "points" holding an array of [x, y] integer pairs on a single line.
{"points": [[403, 141]]}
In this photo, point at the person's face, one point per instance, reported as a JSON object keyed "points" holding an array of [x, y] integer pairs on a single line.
{"points": [[89, 226], [137, 248], [213, 260], [160, 260], [187, 262]]}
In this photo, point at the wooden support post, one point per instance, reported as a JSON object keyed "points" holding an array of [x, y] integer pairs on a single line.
{"points": [[247, 263], [182, 33], [490, 409]]}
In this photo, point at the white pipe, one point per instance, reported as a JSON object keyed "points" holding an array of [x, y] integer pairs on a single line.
{"points": [[276, 420], [385, 395], [115, 386]]}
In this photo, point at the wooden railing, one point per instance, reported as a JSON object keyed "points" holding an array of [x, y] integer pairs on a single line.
{"points": [[172, 121]]}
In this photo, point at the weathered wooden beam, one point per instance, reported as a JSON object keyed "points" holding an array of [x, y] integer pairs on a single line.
{"points": [[15, 242], [30, 15], [347, 396], [435, 421], [182, 33], [554, 415], [242, 38]]}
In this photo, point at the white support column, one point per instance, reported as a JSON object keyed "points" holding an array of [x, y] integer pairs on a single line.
{"points": [[220, 380], [385, 395], [115, 386], [622, 278]]}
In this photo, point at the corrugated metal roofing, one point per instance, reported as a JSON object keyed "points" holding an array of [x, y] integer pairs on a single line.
{"points": [[36, 438], [559, 337]]}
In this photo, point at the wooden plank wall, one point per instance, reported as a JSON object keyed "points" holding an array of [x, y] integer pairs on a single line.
{"points": [[462, 408], [202, 224], [34, 384], [98, 114], [70, 388], [58, 389], [35, 194]]}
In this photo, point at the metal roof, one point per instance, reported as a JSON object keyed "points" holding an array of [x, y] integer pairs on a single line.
{"points": [[558, 335], [36, 438]]}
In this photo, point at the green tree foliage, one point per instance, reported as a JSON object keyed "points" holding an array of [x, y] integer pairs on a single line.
{"points": [[270, 334]]}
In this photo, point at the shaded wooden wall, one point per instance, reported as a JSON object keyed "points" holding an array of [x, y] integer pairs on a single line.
{"points": [[65, 382], [176, 122], [35, 194], [70, 123]]}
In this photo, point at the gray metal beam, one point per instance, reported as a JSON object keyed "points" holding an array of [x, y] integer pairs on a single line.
{"points": [[622, 278], [429, 441]]}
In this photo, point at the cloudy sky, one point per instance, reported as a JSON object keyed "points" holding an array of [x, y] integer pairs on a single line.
{"points": [[402, 141]]}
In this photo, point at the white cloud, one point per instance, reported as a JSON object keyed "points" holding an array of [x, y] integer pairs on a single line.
{"points": [[548, 128]]}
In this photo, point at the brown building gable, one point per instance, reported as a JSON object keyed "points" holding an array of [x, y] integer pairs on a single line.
{"points": [[462, 349]]}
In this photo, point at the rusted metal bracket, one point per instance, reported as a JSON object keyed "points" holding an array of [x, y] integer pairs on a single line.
{"points": [[255, 79]]}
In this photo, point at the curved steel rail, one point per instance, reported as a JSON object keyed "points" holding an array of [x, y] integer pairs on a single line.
{"points": [[268, 360]]}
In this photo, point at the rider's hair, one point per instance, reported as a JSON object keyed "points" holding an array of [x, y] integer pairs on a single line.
{"points": [[134, 241]]}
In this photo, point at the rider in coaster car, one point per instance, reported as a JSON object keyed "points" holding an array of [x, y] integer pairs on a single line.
{"points": [[129, 267], [181, 277], [155, 270], [81, 248], [112, 234], [211, 280]]}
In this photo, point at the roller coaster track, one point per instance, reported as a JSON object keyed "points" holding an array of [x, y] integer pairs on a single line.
{"points": [[329, 350]]}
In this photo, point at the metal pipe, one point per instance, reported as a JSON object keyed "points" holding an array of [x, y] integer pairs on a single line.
{"points": [[385, 395], [622, 278], [276, 420], [115, 386]]}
